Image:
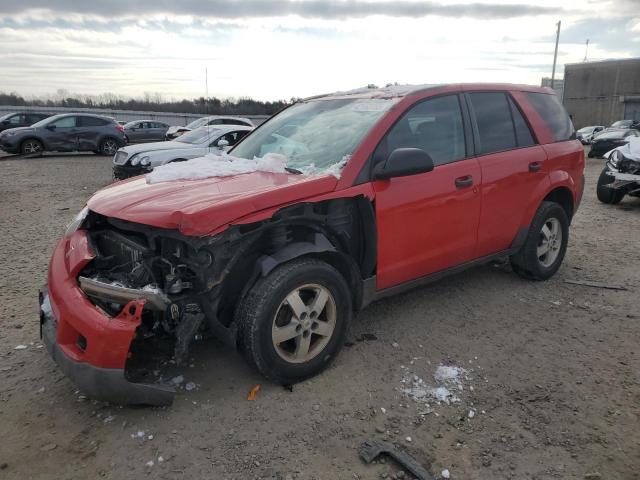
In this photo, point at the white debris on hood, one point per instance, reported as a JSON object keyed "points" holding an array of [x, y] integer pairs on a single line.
{"points": [[216, 165], [448, 380]]}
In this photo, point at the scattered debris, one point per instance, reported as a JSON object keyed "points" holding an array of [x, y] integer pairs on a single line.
{"points": [[371, 449], [449, 378], [395, 345], [472, 413], [177, 380], [190, 386], [48, 447], [408, 439], [445, 473], [20, 347], [253, 392], [149, 463], [588, 283]]}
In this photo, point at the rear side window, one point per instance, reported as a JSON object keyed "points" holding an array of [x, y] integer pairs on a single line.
{"points": [[554, 115], [91, 122], [523, 133], [496, 131]]}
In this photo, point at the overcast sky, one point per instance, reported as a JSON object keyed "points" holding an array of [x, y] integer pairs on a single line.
{"points": [[291, 48]]}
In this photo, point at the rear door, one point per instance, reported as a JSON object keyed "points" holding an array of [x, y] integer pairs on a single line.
{"points": [[512, 165], [90, 132], [427, 222]]}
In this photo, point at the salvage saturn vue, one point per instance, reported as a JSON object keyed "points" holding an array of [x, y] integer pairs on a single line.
{"points": [[337, 201]]}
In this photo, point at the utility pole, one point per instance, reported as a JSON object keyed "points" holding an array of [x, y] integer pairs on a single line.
{"points": [[586, 51], [555, 57]]}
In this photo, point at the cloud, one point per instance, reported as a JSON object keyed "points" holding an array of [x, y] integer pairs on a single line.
{"points": [[321, 9]]}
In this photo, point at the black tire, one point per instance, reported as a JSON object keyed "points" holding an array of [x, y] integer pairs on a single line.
{"points": [[256, 315], [526, 262], [31, 146], [109, 146], [606, 194], [591, 154]]}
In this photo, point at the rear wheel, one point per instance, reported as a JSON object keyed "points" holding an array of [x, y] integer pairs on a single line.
{"points": [[30, 146], [543, 251], [109, 147], [293, 322], [606, 194]]}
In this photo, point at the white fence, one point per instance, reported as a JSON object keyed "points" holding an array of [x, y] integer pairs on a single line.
{"points": [[126, 115]]}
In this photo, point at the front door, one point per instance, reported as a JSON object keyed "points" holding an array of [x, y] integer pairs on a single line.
{"points": [[427, 222], [62, 134]]}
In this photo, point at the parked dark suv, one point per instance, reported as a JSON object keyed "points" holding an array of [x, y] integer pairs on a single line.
{"points": [[335, 202], [66, 133], [20, 119]]}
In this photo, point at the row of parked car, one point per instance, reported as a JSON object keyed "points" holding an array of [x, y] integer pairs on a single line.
{"points": [[603, 139], [33, 132]]}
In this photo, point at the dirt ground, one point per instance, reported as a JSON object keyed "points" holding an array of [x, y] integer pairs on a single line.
{"points": [[551, 370]]}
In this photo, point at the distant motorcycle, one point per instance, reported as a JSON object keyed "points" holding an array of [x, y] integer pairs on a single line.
{"points": [[621, 175]]}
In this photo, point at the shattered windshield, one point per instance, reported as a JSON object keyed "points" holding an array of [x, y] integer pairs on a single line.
{"points": [[313, 135]]}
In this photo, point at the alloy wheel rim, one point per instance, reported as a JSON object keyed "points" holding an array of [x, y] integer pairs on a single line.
{"points": [[110, 147], [304, 323], [549, 242], [31, 147]]}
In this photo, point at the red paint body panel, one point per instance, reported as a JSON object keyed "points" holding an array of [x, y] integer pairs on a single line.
{"points": [[108, 339], [202, 207], [425, 223], [508, 187]]}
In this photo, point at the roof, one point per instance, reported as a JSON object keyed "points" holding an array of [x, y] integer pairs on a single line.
{"points": [[222, 129], [399, 91]]}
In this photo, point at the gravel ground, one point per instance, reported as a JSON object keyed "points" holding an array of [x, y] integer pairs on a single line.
{"points": [[551, 370]]}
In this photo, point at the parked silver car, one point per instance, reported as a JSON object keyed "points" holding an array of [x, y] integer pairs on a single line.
{"points": [[176, 131], [135, 160], [587, 134], [140, 131]]}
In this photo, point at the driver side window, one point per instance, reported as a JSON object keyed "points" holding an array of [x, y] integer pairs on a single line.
{"points": [[65, 122], [434, 125]]}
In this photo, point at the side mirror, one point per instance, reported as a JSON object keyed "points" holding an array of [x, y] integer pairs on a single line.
{"points": [[223, 143], [403, 162], [51, 127]]}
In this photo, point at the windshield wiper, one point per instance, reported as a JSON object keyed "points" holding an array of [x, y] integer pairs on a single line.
{"points": [[293, 170]]}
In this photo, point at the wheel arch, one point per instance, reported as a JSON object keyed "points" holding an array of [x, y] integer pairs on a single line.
{"points": [[32, 137], [562, 195], [338, 232]]}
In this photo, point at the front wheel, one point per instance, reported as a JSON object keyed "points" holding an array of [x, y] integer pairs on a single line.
{"points": [[543, 251], [109, 147], [606, 194], [293, 322], [31, 146]]}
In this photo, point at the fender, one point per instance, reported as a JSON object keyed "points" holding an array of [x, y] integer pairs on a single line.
{"points": [[319, 244], [556, 179]]}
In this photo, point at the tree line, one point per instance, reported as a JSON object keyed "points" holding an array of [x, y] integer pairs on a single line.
{"points": [[150, 102]]}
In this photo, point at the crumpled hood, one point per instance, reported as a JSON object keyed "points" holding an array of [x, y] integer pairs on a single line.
{"points": [[155, 146], [201, 207]]}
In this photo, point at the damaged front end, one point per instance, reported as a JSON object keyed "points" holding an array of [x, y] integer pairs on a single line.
{"points": [[125, 300], [623, 166]]}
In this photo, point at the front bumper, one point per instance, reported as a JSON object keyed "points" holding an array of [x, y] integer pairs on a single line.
{"points": [[90, 347], [122, 172]]}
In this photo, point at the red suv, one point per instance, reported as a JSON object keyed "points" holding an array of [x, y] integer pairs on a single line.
{"points": [[401, 186]]}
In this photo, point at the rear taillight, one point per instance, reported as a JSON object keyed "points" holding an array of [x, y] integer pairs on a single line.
{"points": [[120, 128]]}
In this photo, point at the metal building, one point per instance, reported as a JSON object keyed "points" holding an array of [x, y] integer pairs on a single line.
{"points": [[600, 93]]}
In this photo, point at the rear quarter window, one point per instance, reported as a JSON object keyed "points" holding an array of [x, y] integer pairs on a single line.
{"points": [[92, 122], [553, 114]]}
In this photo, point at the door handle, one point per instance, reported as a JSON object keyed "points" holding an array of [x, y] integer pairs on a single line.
{"points": [[466, 181], [534, 167]]}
